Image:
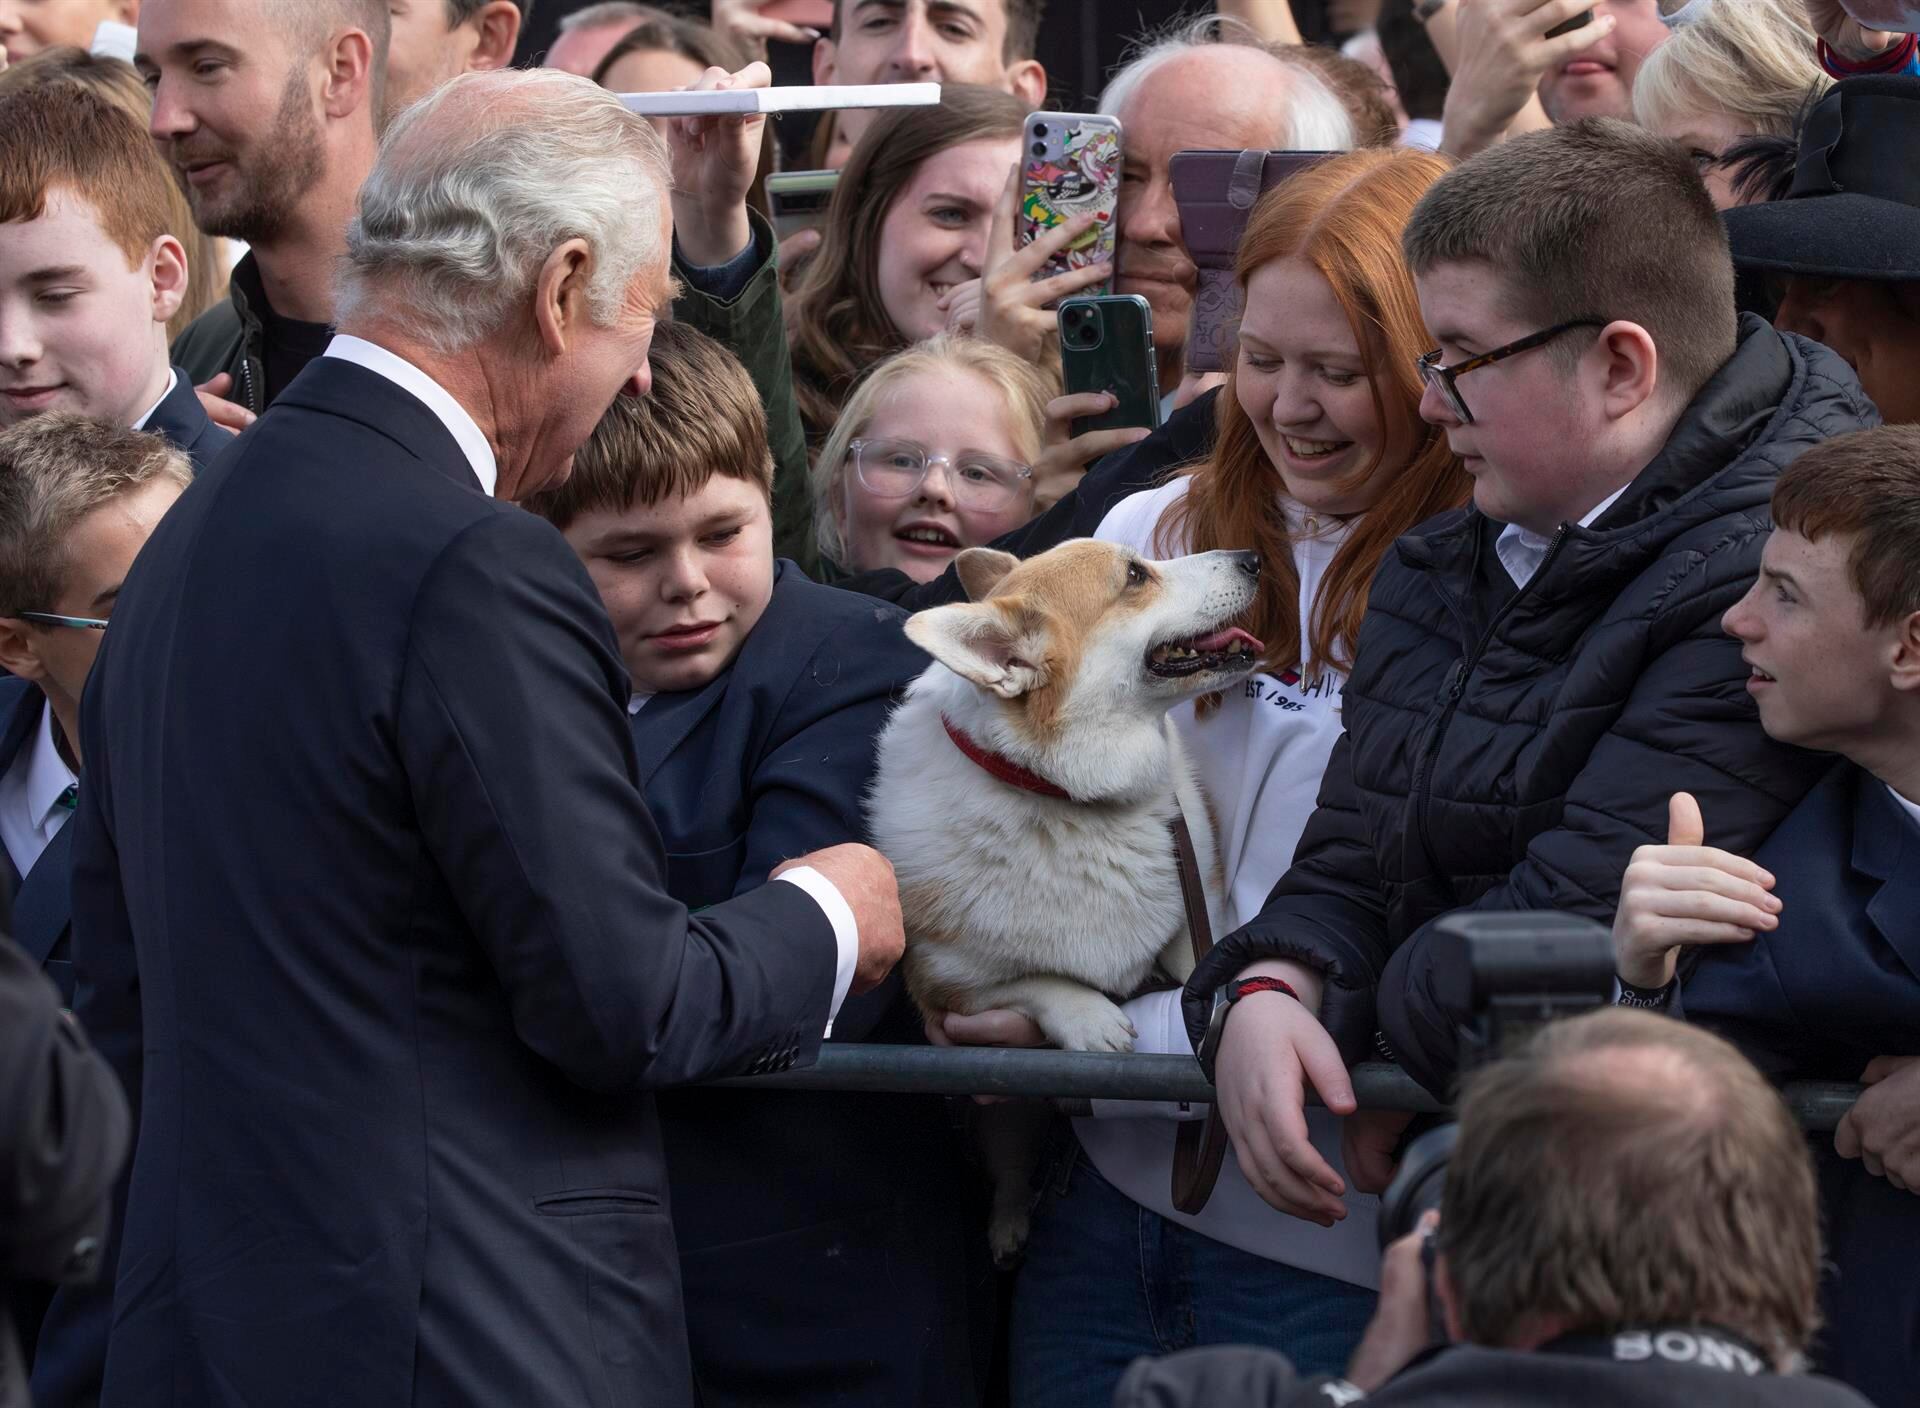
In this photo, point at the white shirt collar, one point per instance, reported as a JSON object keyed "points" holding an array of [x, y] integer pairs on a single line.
{"points": [[405, 375], [48, 778], [1521, 550], [637, 701], [1912, 808], [173, 380]]}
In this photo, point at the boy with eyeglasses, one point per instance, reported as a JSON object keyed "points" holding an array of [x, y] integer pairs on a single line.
{"points": [[1539, 671], [78, 498], [823, 1248]]}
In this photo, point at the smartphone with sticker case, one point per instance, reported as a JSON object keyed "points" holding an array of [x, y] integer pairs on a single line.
{"points": [[1070, 165]]}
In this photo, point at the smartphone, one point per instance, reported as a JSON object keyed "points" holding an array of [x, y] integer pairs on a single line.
{"points": [[1106, 344], [798, 200], [1579, 21], [1215, 192], [1070, 165]]}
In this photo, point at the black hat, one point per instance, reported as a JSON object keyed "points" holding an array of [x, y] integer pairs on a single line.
{"points": [[1854, 209]]}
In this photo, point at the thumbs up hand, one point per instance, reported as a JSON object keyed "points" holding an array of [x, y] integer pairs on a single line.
{"points": [[1686, 892]]}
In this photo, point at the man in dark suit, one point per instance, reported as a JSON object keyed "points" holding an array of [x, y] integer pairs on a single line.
{"points": [[759, 697], [89, 271], [367, 903], [1810, 952]]}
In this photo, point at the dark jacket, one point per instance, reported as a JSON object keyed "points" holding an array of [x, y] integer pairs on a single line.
{"points": [[42, 898], [1837, 984], [1186, 437], [1508, 749], [824, 1246], [183, 421], [371, 916], [1467, 1376], [228, 337], [63, 1137]]}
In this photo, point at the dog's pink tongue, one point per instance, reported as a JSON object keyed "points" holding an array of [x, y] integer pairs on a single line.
{"points": [[1223, 640]]}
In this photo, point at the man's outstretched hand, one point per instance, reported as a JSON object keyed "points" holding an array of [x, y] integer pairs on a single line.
{"points": [[865, 881]]}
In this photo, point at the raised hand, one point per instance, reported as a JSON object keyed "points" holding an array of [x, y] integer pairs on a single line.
{"points": [[745, 22], [714, 161], [1846, 25], [1006, 304], [1502, 53], [1064, 462], [1686, 892], [866, 882]]}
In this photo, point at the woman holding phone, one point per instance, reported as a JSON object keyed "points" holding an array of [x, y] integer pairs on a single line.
{"points": [[1320, 463], [918, 207]]}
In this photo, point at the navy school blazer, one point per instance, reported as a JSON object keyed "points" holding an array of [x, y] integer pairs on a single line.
{"points": [[1837, 984], [828, 1251]]}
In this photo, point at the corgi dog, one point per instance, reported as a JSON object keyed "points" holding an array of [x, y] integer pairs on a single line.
{"points": [[1027, 782]]}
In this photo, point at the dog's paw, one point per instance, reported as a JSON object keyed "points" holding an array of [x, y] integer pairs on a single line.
{"points": [[1090, 1027], [1007, 1235]]}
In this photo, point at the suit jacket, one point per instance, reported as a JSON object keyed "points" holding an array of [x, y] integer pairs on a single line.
{"points": [[369, 911], [824, 1240], [1836, 984], [183, 421]]}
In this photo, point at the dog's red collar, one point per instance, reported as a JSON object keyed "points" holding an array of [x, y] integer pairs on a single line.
{"points": [[1002, 767]]}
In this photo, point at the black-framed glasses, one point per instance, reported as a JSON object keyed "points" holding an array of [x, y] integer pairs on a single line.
{"points": [[893, 469], [1443, 379], [53, 618]]}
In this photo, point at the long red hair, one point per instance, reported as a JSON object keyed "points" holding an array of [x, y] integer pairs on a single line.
{"points": [[1344, 217]]}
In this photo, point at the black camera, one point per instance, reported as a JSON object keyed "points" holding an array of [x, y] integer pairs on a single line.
{"points": [[1503, 976]]}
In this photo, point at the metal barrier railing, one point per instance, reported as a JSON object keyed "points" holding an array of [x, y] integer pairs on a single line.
{"points": [[1098, 1075]]}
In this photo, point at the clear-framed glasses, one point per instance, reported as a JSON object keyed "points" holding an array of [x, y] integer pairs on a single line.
{"points": [[893, 469], [1443, 379], [53, 618]]}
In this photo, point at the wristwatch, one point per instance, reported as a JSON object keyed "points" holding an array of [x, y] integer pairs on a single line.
{"points": [[1224, 997], [1425, 10], [1655, 999]]}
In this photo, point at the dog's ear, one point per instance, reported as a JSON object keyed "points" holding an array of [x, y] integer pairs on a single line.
{"points": [[982, 569], [993, 644]]}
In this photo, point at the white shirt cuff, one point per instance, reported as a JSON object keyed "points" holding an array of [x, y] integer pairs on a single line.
{"points": [[1160, 1029], [846, 931]]}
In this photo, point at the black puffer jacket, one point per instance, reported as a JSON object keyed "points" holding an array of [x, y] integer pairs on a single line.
{"points": [[1508, 750]]}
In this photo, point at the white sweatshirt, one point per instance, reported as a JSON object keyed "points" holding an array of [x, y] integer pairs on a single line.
{"points": [[1259, 758]]}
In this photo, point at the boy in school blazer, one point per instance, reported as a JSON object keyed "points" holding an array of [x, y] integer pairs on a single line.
{"points": [[826, 1246]]}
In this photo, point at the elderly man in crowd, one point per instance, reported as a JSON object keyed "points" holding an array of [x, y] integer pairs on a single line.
{"points": [[371, 908]]}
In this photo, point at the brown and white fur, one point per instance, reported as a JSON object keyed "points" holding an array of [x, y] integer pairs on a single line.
{"points": [[1067, 666]]}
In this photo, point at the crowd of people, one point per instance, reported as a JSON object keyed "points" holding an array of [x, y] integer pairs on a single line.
{"points": [[454, 560]]}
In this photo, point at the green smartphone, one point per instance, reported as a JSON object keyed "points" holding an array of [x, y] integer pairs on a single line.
{"points": [[1106, 344]]}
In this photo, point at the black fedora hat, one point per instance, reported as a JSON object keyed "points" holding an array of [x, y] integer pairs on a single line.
{"points": [[1854, 209]]}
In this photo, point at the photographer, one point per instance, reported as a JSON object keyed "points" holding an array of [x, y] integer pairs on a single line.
{"points": [[1629, 1217]]}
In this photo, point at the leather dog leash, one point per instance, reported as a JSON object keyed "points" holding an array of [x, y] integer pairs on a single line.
{"points": [[1200, 1146]]}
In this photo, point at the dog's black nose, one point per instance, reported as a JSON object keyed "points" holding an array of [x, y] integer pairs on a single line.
{"points": [[1249, 563]]}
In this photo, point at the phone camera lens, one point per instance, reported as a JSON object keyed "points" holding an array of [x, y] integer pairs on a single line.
{"points": [[1039, 148], [1041, 130]]}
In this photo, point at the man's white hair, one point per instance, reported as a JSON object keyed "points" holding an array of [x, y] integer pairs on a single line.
{"points": [[1318, 120], [479, 182], [607, 12]]}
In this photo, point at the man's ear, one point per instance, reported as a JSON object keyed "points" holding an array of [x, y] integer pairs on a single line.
{"points": [[496, 28], [349, 75], [983, 569], [1632, 367], [993, 644], [1027, 81], [824, 54], [167, 261], [17, 653], [560, 301], [1905, 660]]}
